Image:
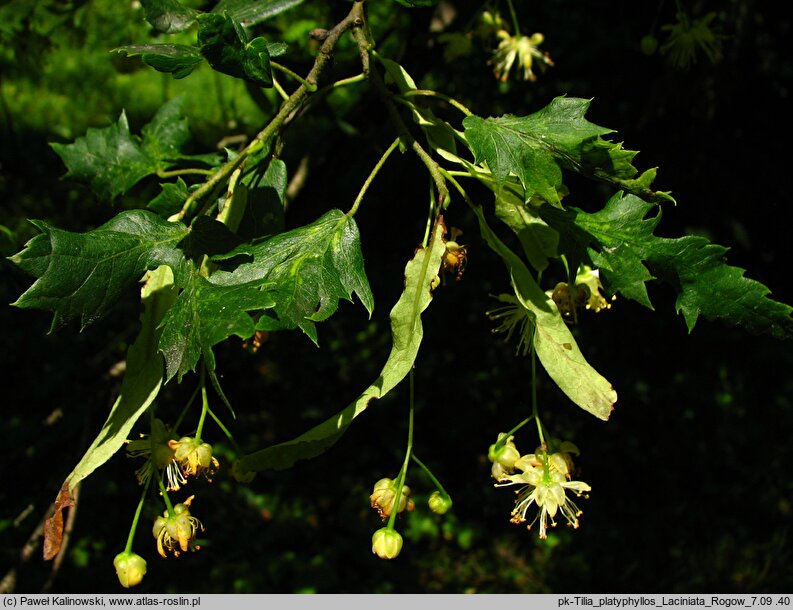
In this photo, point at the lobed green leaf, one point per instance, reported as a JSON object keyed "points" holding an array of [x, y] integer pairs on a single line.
{"points": [[308, 269], [619, 240], [82, 275], [225, 46], [536, 148]]}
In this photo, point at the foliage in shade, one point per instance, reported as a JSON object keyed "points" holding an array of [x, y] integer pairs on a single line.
{"points": [[225, 46], [168, 16], [111, 160], [177, 59], [142, 380]]}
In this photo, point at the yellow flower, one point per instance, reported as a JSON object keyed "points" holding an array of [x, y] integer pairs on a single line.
{"points": [[159, 456], [194, 456], [524, 50], [176, 532], [545, 481]]}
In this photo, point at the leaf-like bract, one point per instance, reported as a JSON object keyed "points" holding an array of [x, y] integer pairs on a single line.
{"points": [[111, 160], [142, 378], [309, 269], [553, 341], [536, 148], [225, 46], [407, 332], [177, 59], [619, 240], [81, 275]]}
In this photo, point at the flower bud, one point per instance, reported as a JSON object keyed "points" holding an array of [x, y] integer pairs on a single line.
{"points": [[440, 503], [130, 568], [383, 498], [386, 543], [503, 457]]}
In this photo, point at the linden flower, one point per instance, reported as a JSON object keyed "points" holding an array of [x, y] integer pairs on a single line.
{"points": [[545, 482], [524, 49], [176, 532], [503, 457], [513, 318], [383, 498], [194, 456], [159, 456]]}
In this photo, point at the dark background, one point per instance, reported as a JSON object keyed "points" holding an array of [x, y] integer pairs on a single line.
{"points": [[690, 477]]}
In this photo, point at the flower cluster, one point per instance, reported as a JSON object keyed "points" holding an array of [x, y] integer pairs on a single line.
{"points": [[521, 49], [544, 479]]}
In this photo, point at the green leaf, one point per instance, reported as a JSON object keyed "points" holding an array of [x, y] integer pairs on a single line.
{"points": [[205, 314], [109, 159], [310, 269], [251, 12], [176, 59], [225, 46], [84, 274], [142, 378], [553, 341], [620, 241], [171, 198], [266, 194], [112, 161], [407, 332], [535, 148], [168, 16]]}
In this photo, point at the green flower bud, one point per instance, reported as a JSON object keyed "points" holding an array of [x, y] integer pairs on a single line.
{"points": [[386, 543], [649, 44], [130, 568], [440, 503]]}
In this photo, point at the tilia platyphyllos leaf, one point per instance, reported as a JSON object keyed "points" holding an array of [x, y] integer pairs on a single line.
{"points": [[619, 240]]}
